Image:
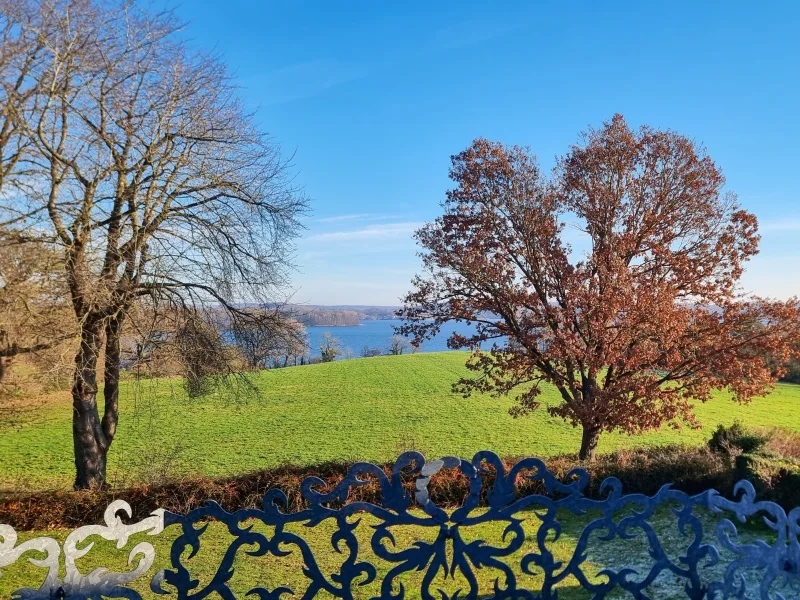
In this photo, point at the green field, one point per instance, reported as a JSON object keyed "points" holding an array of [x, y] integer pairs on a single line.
{"points": [[361, 409], [365, 409]]}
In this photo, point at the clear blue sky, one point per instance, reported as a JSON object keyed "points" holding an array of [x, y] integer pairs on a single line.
{"points": [[374, 97]]}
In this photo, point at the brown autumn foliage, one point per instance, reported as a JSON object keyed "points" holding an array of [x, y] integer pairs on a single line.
{"points": [[648, 320], [35, 312], [37, 325]]}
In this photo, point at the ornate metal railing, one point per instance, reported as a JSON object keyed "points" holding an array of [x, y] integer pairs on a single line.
{"points": [[615, 545]]}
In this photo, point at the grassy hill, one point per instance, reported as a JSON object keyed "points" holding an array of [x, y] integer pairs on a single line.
{"points": [[361, 409]]}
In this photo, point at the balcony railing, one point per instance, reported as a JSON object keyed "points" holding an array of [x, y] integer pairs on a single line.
{"points": [[499, 543]]}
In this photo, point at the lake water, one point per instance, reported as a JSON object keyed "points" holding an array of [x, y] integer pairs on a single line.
{"points": [[377, 334]]}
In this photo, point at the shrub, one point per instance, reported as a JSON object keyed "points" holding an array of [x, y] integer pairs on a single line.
{"points": [[785, 443], [737, 439], [329, 347], [774, 477], [205, 356], [643, 470]]}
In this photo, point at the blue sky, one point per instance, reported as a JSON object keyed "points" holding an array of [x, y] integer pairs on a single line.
{"points": [[373, 98]]}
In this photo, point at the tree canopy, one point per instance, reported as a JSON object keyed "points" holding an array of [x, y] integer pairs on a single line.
{"points": [[649, 319]]}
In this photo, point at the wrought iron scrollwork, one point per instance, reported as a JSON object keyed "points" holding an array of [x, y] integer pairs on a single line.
{"points": [[97, 584], [710, 560]]}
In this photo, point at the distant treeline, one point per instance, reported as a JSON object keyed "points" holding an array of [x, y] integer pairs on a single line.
{"points": [[340, 316], [329, 318]]}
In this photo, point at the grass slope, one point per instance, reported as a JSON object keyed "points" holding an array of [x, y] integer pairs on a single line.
{"points": [[365, 409]]}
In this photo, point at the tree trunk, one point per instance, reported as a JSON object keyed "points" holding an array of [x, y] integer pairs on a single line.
{"points": [[87, 434], [111, 370], [591, 435]]}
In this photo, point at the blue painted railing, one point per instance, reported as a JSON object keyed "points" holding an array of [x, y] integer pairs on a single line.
{"points": [[668, 545]]}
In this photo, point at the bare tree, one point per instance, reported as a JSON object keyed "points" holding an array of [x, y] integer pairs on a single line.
{"points": [[37, 325], [367, 352], [35, 312], [204, 355], [31, 292], [21, 53], [329, 347], [398, 345], [293, 346], [141, 163], [269, 338]]}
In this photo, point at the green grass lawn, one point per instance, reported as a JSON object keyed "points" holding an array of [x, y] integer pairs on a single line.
{"points": [[364, 409]]}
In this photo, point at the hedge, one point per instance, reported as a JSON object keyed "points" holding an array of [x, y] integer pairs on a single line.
{"points": [[642, 470]]}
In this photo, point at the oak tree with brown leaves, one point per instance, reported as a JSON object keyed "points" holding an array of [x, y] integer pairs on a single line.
{"points": [[631, 332]]}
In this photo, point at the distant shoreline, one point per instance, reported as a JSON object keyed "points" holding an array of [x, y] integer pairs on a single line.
{"points": [[319, 316]]}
